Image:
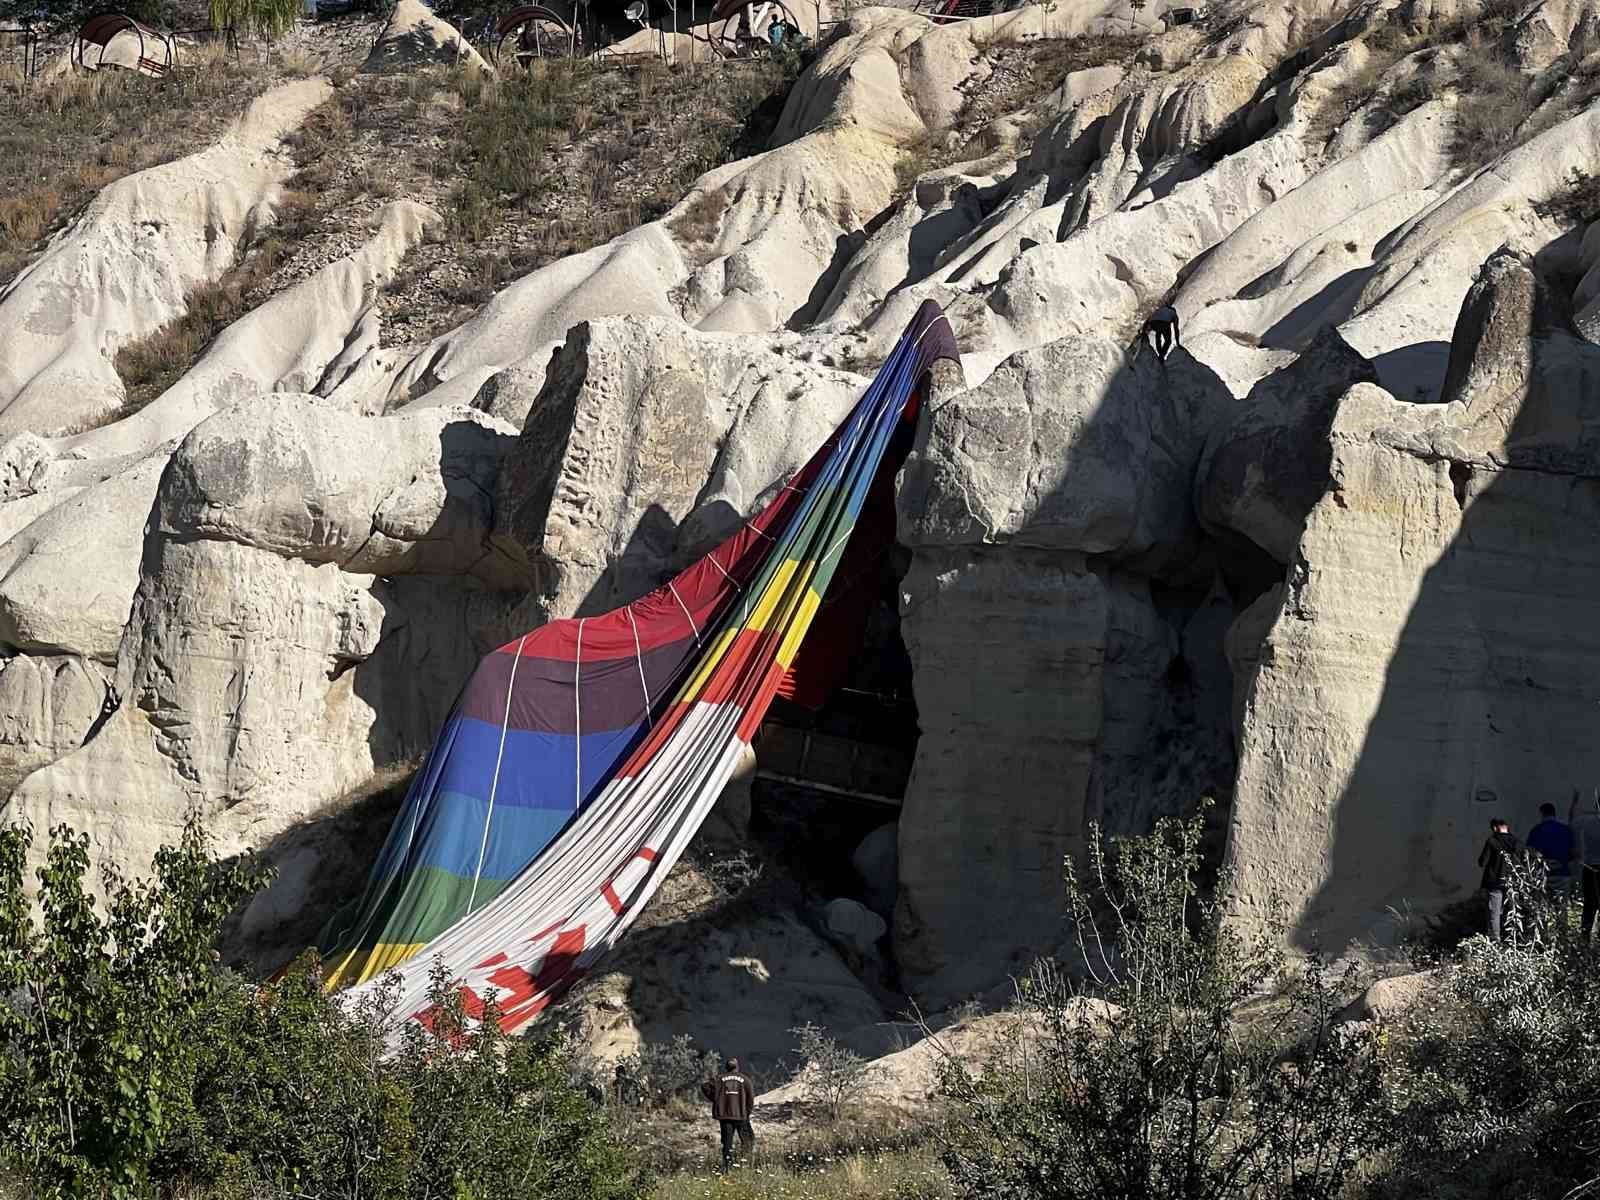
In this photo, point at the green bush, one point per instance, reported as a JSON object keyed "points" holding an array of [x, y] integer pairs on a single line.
{"points": [[1493, 1090], [300, 1093], [99, 1005], [1145, 1079], [660, 1072], [833, 1073], [131, 1063]]}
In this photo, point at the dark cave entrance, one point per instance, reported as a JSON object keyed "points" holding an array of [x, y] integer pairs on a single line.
{"points": [[827, 777]]}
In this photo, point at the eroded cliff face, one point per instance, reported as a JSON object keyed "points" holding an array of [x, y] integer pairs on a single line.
{"points": [[1042, 506], [1330, 561], [1430, 663], [302, 589]]}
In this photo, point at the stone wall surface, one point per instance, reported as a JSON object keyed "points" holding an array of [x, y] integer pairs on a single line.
{"points": [[1045, 507], [1430, 665]]}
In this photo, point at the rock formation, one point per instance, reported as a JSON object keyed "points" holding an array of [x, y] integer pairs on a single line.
{"points": [[1427, 665], [1331, 561]]}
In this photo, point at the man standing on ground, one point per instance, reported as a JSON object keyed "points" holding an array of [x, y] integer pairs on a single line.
{"points": [[1586, 835], [1495, 858], [731, 1103], [1553, 839]]}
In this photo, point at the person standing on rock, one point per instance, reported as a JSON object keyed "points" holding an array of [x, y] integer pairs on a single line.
{"points": [[1162, 329], [732, 1101], [1496, 858], [1586, 838]]}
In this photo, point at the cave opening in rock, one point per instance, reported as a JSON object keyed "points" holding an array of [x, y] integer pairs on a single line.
{"points": [[828, 776]]}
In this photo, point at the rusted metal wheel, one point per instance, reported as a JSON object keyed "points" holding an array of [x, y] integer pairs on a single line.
{"points": [[534, 31]]}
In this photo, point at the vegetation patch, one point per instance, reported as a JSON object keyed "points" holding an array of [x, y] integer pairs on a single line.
{"points": [[1498, 107], [1142, 1078], [152, 364], [322, 214], [525, 170], [891, 1175], [1578, 203], [132, 1064], [572, 154], [63, 140], [1020, 79]]}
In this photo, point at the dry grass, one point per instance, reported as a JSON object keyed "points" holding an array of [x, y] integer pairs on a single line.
{"points": [[897, 1175], [869, 1152], [526, 170], [1366, 87], [330, 176], [1495, 102], [800, 1139], [61, 141], [538, 166], [1020, 79], [152, 364], [1576, 204], [1498, 107], [579, 153], [701, 216]]}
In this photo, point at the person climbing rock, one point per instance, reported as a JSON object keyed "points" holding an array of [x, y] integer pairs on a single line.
{"points": [[731, 1104], [1162, 330], [1496, 858]]}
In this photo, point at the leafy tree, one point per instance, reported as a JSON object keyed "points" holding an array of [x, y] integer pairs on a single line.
{"points": [[290, 1092], [1144, 1078], [130, 1060], [98, 1004], [499, 1116], [304, 1093]]}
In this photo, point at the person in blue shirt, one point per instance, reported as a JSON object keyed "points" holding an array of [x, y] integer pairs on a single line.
{"points": [[1553, 839]]}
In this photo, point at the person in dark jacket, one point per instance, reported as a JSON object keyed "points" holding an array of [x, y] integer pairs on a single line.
{"points": [[1162, 329], [1496, 858], [731, 1103], [1554, 841]]}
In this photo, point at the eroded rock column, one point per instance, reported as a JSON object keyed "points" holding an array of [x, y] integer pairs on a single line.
{"points": [[1039, 506]]}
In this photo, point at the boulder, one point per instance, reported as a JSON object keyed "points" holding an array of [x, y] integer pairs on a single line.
{"points": [[646, 446], [728, 823], [95, 534], [1389, 1000], [285, 898], [414, 37], [290, 580], [876, 864], [1262, 471], [1069, 447], [302, 479], [854, 924], [1520, 387]]}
